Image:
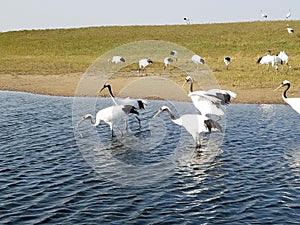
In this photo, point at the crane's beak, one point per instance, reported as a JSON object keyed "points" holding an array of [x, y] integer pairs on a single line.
{"points": [[106, 85], [184, 83], [278, 87], [159, 111], [80, 121], [109, 89], [101, 90], [77, 126]]}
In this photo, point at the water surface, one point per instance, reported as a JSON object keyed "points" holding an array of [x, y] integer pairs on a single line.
{"points": [[50, 175]]}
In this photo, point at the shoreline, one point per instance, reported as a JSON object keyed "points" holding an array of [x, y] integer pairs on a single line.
{"points": [[65, 85]]}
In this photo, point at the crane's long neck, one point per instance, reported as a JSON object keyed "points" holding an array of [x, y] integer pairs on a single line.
{"points": [[114, 100], [191, 85], [111, 95], [287, 88], [175, 120], [91, 120], [93, 123], [171, 115]]}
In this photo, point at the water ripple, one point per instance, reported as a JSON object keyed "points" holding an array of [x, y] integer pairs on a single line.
{"points": [[47, 176]]}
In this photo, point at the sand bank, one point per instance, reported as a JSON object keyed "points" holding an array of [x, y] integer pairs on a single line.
{"points": [[67, 84]]}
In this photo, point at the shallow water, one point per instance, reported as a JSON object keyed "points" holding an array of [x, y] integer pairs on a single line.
{"points": [[49, 174]]}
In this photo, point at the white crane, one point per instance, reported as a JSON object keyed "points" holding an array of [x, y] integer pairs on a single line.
{"points": [[289, 29], [285, 58], [143, 63], [174, 54], [263, 15], [227, 60], [110, 115], [293, 102], [224, 96], [204, 104], [187, 20], [267, 59], [193, 123], [277, 60], [209, 102], [116, 59], [288, 15], [197, 60], [270, 60], [167, 62], [127, 101]]}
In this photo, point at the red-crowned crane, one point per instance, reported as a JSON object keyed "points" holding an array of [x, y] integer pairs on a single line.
{"points": [[293, 102], [193, 123]]}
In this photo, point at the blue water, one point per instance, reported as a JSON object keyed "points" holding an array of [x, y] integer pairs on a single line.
{"points": [[51, 173]]}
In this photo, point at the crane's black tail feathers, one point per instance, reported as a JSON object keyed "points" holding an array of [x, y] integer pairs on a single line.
{"points": [[211, 124], [130, 109], [258, 61]]}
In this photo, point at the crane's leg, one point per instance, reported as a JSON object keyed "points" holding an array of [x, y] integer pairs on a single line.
{"points": [[139, 70], [112, 133], [120, 131], [126, 125], [197, 151], [198, 142], [139, 121], [112, 130]]}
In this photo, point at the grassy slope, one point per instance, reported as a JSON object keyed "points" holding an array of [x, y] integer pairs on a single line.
{"points": [[73, 50]]}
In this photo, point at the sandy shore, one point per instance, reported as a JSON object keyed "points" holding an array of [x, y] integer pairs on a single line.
{"points": [[67, 85]]}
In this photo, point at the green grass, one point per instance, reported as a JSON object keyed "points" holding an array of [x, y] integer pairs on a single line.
{"points": [[61, 51]]}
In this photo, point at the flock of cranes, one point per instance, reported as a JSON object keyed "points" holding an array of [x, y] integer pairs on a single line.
{"points": [[287, 16], [265, 16], [275, 60], [143, 63], [281, 58], [208, 103], [195, 124]]}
